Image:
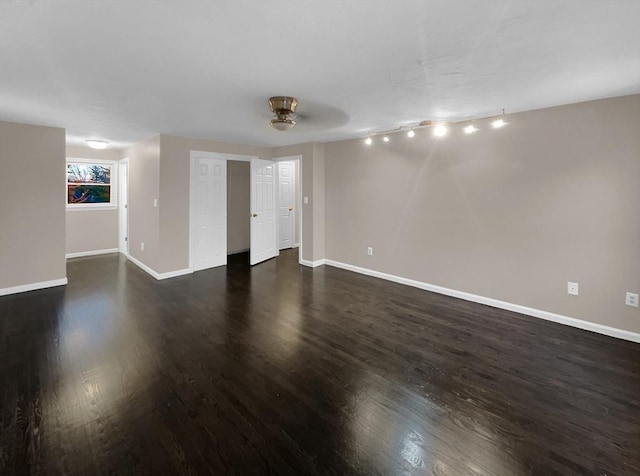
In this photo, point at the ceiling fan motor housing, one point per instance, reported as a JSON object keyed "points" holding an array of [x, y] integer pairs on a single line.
{"points": [[282, 106]]}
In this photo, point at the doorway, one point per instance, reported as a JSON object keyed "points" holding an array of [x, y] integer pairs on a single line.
{"points": [[215, 208], [208, 208], [238, 207], [290, 203]]}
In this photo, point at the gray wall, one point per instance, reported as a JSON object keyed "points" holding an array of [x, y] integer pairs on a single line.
{"points": [[144, 187], [238, 204], [91, 230], [32, 204], [510, 214], [318, 203]]}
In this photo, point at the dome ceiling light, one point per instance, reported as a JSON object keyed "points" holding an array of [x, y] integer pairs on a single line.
{"points": [[97, 144]]}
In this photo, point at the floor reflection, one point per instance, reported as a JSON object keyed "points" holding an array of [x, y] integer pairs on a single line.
{"points": [[283, 369]]}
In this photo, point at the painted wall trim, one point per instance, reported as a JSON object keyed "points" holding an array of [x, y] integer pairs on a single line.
{"points": [[91, 253], [33, 286], [175, 274], [155, 274], [223, 156], [314, 264], [90, 208], [529, 311]]}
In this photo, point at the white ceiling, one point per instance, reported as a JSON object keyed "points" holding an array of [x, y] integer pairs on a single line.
{"points": [[124, 71]]}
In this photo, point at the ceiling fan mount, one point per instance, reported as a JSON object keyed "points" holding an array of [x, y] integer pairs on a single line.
{"points": [[283, 107]]}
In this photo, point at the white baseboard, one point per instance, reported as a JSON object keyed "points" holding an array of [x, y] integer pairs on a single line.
{"points": [[229, 253], [312, 264], [33, 286], [155, 274], [91, 253], [549, 316], [174, 274], [143, 266]]}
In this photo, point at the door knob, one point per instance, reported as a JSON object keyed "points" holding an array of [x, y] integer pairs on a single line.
{"points": [[290, 209], [254, 215]]}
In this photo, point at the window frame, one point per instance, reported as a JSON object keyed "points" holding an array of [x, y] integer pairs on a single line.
{"points": [[113, 203]]}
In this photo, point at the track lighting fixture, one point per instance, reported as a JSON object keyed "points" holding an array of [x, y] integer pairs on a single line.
{"points": [[500, 122], [440, 129]]}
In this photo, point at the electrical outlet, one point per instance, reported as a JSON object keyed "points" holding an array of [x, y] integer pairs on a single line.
{"points": [[631, 299], [572, 288], [370, 251], [155, 203], [142, 246]]}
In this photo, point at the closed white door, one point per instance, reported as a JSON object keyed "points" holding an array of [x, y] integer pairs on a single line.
{"points": [[209, 213], [263, 211], [285, 205]]}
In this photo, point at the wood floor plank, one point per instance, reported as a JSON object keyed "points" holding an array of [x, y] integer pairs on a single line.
{"points": [[283, 369]]}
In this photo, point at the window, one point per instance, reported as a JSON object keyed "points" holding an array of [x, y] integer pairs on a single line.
{"points": [[90, 184]]}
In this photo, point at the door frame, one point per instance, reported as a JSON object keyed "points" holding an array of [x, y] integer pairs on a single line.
{"points": [[298, 160], [123, 208], [192, 158]]}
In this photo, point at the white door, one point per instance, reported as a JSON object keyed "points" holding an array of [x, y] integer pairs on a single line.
{"points": [[123, 208], [263, 211], [285, 205], [209, 213]]}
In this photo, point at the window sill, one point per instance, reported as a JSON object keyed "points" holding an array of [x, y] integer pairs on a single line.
{"points": [[91, 208]]}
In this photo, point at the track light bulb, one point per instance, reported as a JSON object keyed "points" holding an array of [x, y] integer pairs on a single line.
{"points": [[385, 138], [368, 141], [440, 131], [498, 123], [411, 133], [470, 129]]}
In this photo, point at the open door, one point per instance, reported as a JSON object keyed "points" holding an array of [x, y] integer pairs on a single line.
{"points": [[263, 211]]}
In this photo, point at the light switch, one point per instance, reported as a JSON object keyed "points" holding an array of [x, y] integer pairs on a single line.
{"points": [[306, 200]]}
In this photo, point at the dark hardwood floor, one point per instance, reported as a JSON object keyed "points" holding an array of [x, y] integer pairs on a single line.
{"points": [[282, 369]]}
